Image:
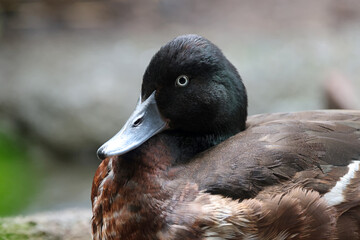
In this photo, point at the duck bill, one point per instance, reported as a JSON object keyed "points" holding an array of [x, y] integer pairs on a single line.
{"points": [[143, 123]]}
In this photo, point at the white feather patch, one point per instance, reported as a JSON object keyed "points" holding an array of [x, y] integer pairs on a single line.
{"points": [[336, 194]]}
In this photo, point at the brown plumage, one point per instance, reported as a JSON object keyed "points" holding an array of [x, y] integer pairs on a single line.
{"points": [[298, 214], [143, 195]]}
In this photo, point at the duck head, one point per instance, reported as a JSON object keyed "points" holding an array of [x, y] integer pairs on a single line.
{"points": [[189, 88]]}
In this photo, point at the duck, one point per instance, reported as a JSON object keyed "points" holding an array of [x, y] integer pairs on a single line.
{"points": [[190, 138]]}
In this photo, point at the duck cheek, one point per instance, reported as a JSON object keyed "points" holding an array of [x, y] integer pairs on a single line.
{"points": [[193, 119], [187, 110]]}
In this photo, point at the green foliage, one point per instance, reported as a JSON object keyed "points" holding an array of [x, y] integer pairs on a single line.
{"points": [[16, 176]]}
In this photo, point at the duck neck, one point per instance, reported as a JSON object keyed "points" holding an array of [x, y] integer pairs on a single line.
{"points": [[184, 145]]}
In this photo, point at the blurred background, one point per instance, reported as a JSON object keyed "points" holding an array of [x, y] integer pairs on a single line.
{"points": [[70, 74]]}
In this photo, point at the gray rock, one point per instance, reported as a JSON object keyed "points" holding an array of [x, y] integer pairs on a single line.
{"points": [[71, 224]]}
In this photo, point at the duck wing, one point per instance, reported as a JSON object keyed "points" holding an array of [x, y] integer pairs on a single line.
{"points": [[306, 149]]}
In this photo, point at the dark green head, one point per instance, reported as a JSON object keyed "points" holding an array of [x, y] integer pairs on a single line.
{"points": [[212, 98], [190, 89]]}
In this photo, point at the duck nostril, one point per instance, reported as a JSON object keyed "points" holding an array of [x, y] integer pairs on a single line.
{"points": [[137, 122]]}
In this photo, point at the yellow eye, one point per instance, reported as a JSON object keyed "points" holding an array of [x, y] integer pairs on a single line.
{"points": [[182, 81]]}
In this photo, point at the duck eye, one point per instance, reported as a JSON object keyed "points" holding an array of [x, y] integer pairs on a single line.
{"points": [[182, 81]]}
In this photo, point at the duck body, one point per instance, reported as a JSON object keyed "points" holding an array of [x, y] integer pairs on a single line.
{"points": [[148, 194], [188, 154]]}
